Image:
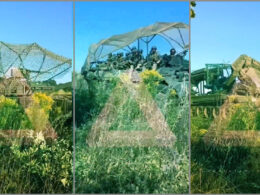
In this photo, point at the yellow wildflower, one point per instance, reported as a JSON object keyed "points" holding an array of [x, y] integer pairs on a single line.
{"points": [[64, 181], [173, 92], [203, 132], [147, 74], [6, 101], [43, 100]]}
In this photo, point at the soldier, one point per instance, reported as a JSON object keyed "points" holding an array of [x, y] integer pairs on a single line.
{"points": [[131, 57], [110, 60], [140, 55], [134, 56], [153, 59], [139, 60], [171, 60], [180, 62], [102, 66], [120, 61], [128, 61], [172, 52]]}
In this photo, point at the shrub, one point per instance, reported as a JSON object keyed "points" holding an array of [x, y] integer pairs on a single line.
{"points": [[131, 170], [43, 100], [152, 78], [90, 97], [199, 126], [39, 168], [38, 111], [243, 117], [10, 110]]}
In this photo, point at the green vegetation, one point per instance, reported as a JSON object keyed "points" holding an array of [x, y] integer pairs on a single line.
{"points": [[51, 86], [244, 117], [129, 117], [36, 164], [222, 169], [38, 168], [152, 79], [192, 12], [130, 169], [10, 110], [38, 111]]}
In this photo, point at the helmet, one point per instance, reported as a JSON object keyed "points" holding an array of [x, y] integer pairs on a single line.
{"points": [[172, 51], [133, 48], [154, 48]]}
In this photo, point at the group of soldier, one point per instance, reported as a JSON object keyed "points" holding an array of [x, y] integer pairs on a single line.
{"points": [[136, 60]]}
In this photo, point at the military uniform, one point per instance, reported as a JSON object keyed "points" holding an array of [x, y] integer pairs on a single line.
{"points": [[120, 61], [153, 59]]}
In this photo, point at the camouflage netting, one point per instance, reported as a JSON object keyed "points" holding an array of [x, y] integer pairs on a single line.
{"points": [[136, 52], [34, 62], [241, 107], [176, 34]]}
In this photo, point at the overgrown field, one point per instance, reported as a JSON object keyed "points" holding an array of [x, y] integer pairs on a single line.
{"points": [[35, 164], [130, 169], [224, 169]]}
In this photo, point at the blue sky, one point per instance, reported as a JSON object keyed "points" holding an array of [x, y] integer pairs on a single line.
{"points": [[222, 31], [100, 20], [50, 24]]}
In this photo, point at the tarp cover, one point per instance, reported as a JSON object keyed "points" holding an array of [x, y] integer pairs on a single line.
{"points": [[176, 34], [39, 63]]}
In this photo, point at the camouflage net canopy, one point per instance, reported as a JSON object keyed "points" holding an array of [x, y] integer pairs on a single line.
{"points": [[176, 34], [34, 62]]}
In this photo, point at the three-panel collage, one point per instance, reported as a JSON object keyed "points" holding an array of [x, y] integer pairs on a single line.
{"points": [[114, 97]]}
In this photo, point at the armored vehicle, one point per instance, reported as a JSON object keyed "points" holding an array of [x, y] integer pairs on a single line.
{"points": [[140, 50]]}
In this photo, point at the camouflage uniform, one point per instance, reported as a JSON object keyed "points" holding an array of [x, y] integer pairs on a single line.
{"points": [[153, 59], [128, 61], [140, 60], [110, 60], [120, 61]]}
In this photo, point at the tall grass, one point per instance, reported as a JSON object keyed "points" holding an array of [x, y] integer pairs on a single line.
{"points": [[130, 169], [222, 169]]}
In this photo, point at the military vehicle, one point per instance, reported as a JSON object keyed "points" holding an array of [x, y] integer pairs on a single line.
{"points": [[212, 85], [139, 50], [219, 91]]}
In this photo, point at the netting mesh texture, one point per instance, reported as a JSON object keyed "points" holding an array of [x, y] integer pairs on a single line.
{"points": [[36, 62]]}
